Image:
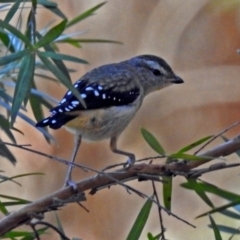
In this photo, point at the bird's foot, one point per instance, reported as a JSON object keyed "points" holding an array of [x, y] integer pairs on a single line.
{"points": [[129, 162], [70, 183]]}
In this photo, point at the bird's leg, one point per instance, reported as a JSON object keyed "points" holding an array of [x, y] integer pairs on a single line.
{"points": [[77, 142], [113, 146]]}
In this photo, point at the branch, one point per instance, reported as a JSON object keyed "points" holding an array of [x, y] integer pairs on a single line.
{"points": [[105, 179]]}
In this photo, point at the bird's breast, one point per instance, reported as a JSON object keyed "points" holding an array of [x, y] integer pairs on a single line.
{"points": [[95, 125]]}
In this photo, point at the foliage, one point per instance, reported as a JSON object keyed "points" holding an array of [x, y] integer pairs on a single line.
{"points": [[30, 53]]}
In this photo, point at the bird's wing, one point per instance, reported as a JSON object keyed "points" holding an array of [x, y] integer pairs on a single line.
{"points": [[98, 93]]}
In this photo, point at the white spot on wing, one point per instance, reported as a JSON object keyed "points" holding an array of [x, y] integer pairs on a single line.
{"points": [[46, 120], [89, 89], [104, 96], [83, 95], [96, 93], [100, 88], [67, 109], [69, 93], [54, 121], [75, 103], [63, 100], [60, 110]]}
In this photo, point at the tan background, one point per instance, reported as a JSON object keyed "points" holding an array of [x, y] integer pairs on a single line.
{"points": [[199, 38]]}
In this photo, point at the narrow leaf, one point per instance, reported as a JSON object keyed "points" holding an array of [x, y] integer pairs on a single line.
{"points": [[59, 64], [195, 144], [140, 222], [152, 141], [4, 124], [53, 7], [167, 192], [22, 175], [189, 157], [12, 11], [15, 32], [12, 57], [221, 208], [200, 192], [215, 229], [230, 214], [52, 34], [3, 209], [215, 190], [24, 84], [227, 229], [62, 78], [4, 152], [90, 40], [7, 42], [84, 15], [59, 56], [59, 224]]}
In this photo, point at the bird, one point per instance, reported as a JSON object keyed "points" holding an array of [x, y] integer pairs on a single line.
{"points": [[113, 93]]}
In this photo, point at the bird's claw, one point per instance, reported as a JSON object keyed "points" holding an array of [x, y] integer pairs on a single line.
{"points": [[129, 162]]}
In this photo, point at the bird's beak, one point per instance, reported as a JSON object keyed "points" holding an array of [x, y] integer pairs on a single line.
{"points": [[177, 80]]}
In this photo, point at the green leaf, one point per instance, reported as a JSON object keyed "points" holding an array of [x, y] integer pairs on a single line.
{"points": [[18, 200], [31, 25], [215, 229], [84, 15], [189, 157], [195, 144], [167, 192], [21, 175], [13, 57], [6, 41], [221, 208], [51, 35], [59, 64], [151, 237], [3, 209], [152, 141], [53, 7], [4, 124], [59, 56], [24, 84], [25, 234], [35, 102], [90, 40], [59, 224], [12, 10], [4, 151], [230, 214], [76, 42], [215, 190], [226, 229], [63, 79], [197, 187], [15, 32], [140, 222]]}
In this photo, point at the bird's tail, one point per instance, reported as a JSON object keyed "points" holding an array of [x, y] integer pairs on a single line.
{"points": [[55, 121]]}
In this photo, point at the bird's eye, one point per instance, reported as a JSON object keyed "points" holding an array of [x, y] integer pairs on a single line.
{"points": [[156, 72]]}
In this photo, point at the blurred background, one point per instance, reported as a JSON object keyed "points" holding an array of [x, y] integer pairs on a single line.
{"points": [[199, 39]]}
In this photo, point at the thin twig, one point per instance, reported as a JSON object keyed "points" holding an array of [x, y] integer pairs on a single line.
{"points": [[62, 235], [159, 211], [216, 136]]}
